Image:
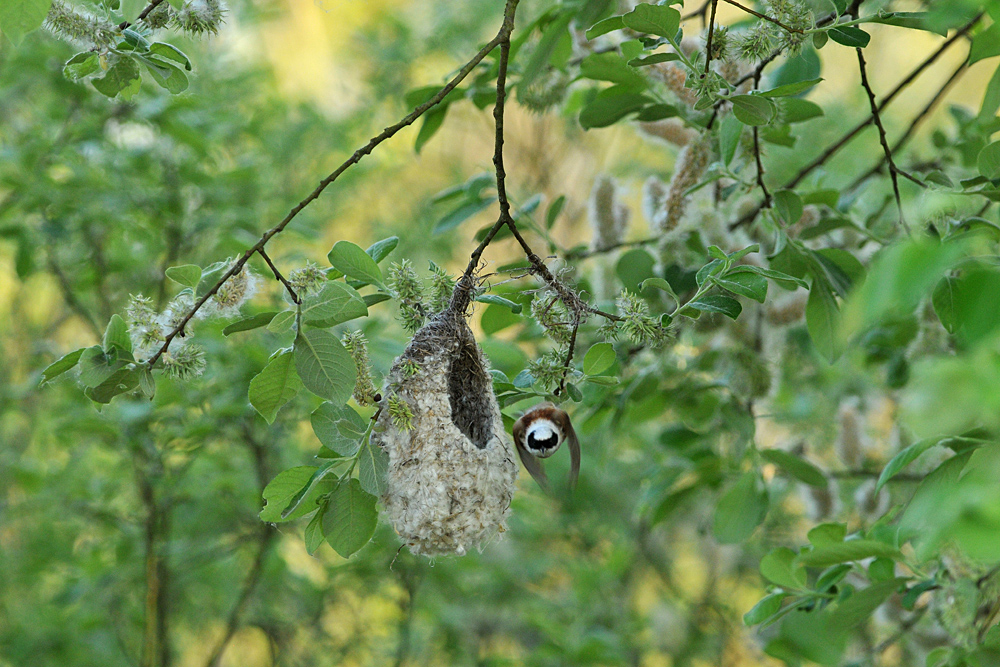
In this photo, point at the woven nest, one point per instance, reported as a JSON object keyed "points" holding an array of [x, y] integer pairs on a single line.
{"points": [[451, 476]]}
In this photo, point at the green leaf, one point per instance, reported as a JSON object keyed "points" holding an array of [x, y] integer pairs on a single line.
{"points": [[776, 276], [81, 65], [432, 122], [19, 17], [780, 567], [188, 275], [96, 367], [381, 249], [654, 20], [713, 303], [170, 52], [765, 609], [61, 365], [611, 67], [990, 105], [604, 27], [798, 468], [850, 36], [334, 304], [827, 533], [122, 80], [851, 550], [461, 213], [912, 20], [794, 110], [116, 335], [660, 284], [904, 458], [275, 385], [984, 45], [350, 518], [790, 89], [822, 321], [633, 267], [863, 603], [324, 366], [753, 109], [730, 131], [744, 283], [352, 261], [373, 299], [313, 536], [120, 381], [989, 161], [943, 300], [599, 358], [741, 509], [282, 322], [788, 206], [339, 427], [280, 491], [498, 300], [611, 105], [373, 464], [603, 380], [654, 59], [658, 112], [555, 208], [166, 74], [249, 323]]}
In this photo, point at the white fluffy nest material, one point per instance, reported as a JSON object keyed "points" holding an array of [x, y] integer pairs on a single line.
{"points": [[451, 477]]}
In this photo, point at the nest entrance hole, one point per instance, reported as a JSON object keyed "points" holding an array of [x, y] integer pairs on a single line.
{"points": [[470, 390]]}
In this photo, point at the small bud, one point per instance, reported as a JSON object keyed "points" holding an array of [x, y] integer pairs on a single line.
{"points": [[548, 369], [400, 413], [637, 324], [441, 288], [406, 285]]}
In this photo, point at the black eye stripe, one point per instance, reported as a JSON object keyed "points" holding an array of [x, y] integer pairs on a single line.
{"points": [[542, 443]]}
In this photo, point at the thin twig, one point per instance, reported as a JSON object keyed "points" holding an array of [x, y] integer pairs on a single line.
{"points": [[833, 148], [700, 12], [279, 277], [756, 155], [915, 123], [877, 119], [145, 12], [708, 42], [776, 22], [356, 157], [569, 355], [584, 254], [265, 536]]}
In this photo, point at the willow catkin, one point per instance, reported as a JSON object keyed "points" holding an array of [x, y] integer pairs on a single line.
{"points": [[852, 442], [691, 165], [670, 130], [607, 215], [673, 77], [822, 502]]}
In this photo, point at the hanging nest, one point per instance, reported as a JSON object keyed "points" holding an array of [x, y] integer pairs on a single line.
{"points": [[452, 472]]}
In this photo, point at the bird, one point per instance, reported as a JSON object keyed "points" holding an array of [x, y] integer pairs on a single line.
{"points": [[538, 434]]}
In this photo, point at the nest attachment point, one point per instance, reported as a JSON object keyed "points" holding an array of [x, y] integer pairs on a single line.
{"points": [[451, 475]]}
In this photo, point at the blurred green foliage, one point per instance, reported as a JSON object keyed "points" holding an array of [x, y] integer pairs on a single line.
{"points": [[789, 439]]}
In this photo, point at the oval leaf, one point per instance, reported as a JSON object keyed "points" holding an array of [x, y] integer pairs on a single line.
{"points": [[351, 260], [274, 386], [350, 518], [599, 358], [324, 366]]}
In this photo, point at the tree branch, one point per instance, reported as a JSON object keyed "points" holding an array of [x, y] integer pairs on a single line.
{"points": [[776, 22], [846, 138], [915, 123], [145, 12], [280, 278], [387, 133], [708, 42], [877, 119], [756, 155]]}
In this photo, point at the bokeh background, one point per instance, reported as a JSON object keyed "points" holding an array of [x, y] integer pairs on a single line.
{"points": [[129, 535]]}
